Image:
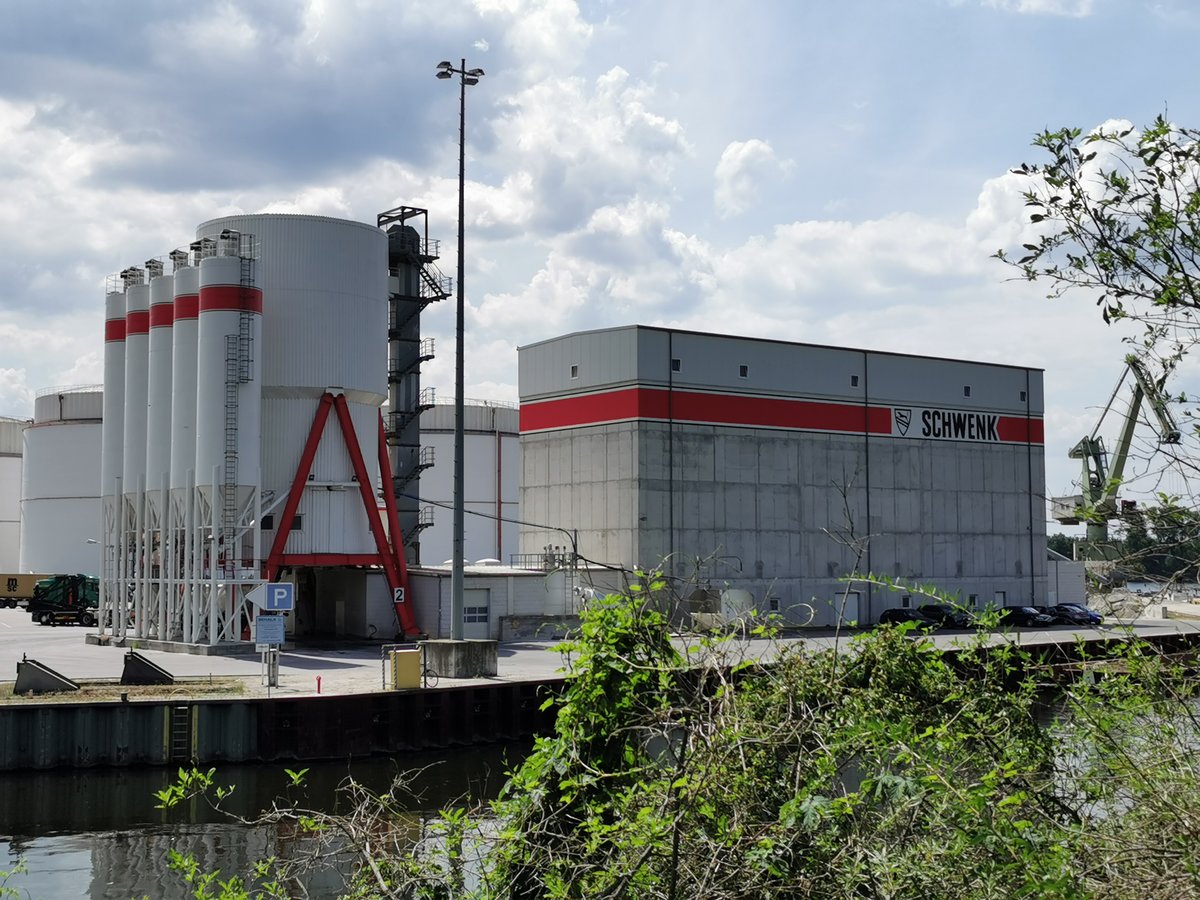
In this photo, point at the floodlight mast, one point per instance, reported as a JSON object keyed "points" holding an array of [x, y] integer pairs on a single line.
{"points": [[446, 70]]}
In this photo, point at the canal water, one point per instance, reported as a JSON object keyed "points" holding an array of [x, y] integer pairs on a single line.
{"points": [[97, 834]]}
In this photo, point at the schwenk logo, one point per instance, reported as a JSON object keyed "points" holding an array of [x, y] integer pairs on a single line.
{"points": [[903, 419]]}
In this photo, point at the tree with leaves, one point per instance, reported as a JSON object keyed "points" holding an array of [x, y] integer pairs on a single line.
{"points": [[1116, 213]]}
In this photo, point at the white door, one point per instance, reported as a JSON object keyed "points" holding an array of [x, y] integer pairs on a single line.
{"points": [[477, 613]]}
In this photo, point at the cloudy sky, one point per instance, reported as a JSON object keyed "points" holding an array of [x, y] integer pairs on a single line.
{"points": [[832, 172]]}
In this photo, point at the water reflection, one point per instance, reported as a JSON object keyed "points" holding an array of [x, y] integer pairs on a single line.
{"points": [[97, 834]]}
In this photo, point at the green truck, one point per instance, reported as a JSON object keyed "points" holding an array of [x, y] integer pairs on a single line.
{"points": [[66, 600]]}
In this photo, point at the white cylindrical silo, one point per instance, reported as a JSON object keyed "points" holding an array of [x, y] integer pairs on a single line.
{"points": [[112, 459], [158, 376], [324, 285], [10, 493], [113, 441], [228, 393], [61, 522], [158, 451], [183, 376], [137, 360]]}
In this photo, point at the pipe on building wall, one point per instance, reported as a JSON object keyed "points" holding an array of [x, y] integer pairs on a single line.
{"points": [[1029, 468], [866, 615], [670, 451]]}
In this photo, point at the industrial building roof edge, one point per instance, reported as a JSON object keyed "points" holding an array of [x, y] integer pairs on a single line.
{"points": [[743, 337]]}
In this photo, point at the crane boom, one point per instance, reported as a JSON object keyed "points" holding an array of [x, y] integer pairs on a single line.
{"points": [[1101, 476]]}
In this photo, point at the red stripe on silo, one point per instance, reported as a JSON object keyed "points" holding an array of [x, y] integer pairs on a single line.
{"points": [[162, 315], [1012, 429], [187, 306], [230, 297], [137, 322], [114, 330]]}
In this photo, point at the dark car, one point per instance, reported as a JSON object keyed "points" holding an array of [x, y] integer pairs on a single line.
{"points": [[899, 615], [1025, 617], [946, 616], [1076, 614]]}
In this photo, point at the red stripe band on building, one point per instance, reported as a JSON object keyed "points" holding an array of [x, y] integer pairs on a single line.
{"points": [[230, 297], [162, 315], [187, 306], [114, 330], [774, 412], [137, 322]]}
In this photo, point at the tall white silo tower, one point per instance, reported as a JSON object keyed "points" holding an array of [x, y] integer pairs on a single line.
{"points": [[324, 349], [10, 493], [229, 364], [133, 464], [158, 441], [184, 610], [60, 488], [112, 460]]}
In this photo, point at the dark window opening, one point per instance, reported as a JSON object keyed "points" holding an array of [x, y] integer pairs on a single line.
{"points": [[676, 364], [853, 381], [743, 371], [268, 522]]}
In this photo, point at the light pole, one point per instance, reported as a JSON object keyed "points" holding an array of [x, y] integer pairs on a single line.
{"points": [[445, 69]]}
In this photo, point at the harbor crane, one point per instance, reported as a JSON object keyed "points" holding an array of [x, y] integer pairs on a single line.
{"points": [[1101, 476]]}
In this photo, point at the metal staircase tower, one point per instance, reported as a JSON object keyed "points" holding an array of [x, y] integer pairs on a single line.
{"points": [[414, 282]]}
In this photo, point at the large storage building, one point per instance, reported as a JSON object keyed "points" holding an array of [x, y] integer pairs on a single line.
{"points": [[492, 477], [10, 492], [60, 486], [243, 439], [781, 468]]}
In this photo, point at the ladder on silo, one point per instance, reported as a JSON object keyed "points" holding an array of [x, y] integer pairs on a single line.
{"points": [[239, 356]]}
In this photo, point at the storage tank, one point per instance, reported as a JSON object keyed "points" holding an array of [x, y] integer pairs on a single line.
{"points": [[158, 392], [229, 348], [183, 374], [10, 492], [111, 455], [324, 326], [137, 359], [60, 486]]}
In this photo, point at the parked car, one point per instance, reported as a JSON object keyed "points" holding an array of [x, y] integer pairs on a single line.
{"points": [[1025, 616], [898, 615], [946, 616], [1076, 614]]}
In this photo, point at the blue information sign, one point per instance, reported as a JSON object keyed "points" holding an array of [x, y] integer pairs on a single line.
{"points": [[268, 629]]}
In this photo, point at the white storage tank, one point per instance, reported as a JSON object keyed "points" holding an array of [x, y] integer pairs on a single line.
{"points": [[60, 487], [158, 391], [492, 481], [111, 455], [10, 492], [183, 375], [324, 326], [137, 360], [228, 396]]}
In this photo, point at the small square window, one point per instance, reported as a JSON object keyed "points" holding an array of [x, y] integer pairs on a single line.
{"points": [[973, 601], [574, 371], [853, 381], [676, 364], [905, 601], [743, 371], [966, 390], [1022, 396]]}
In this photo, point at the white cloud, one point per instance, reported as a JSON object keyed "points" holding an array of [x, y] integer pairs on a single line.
{"points": [[1076, 9], [742, 170]]}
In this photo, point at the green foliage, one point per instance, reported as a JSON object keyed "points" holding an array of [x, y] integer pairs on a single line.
{"points": [[6, 874], [881, 768]]}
